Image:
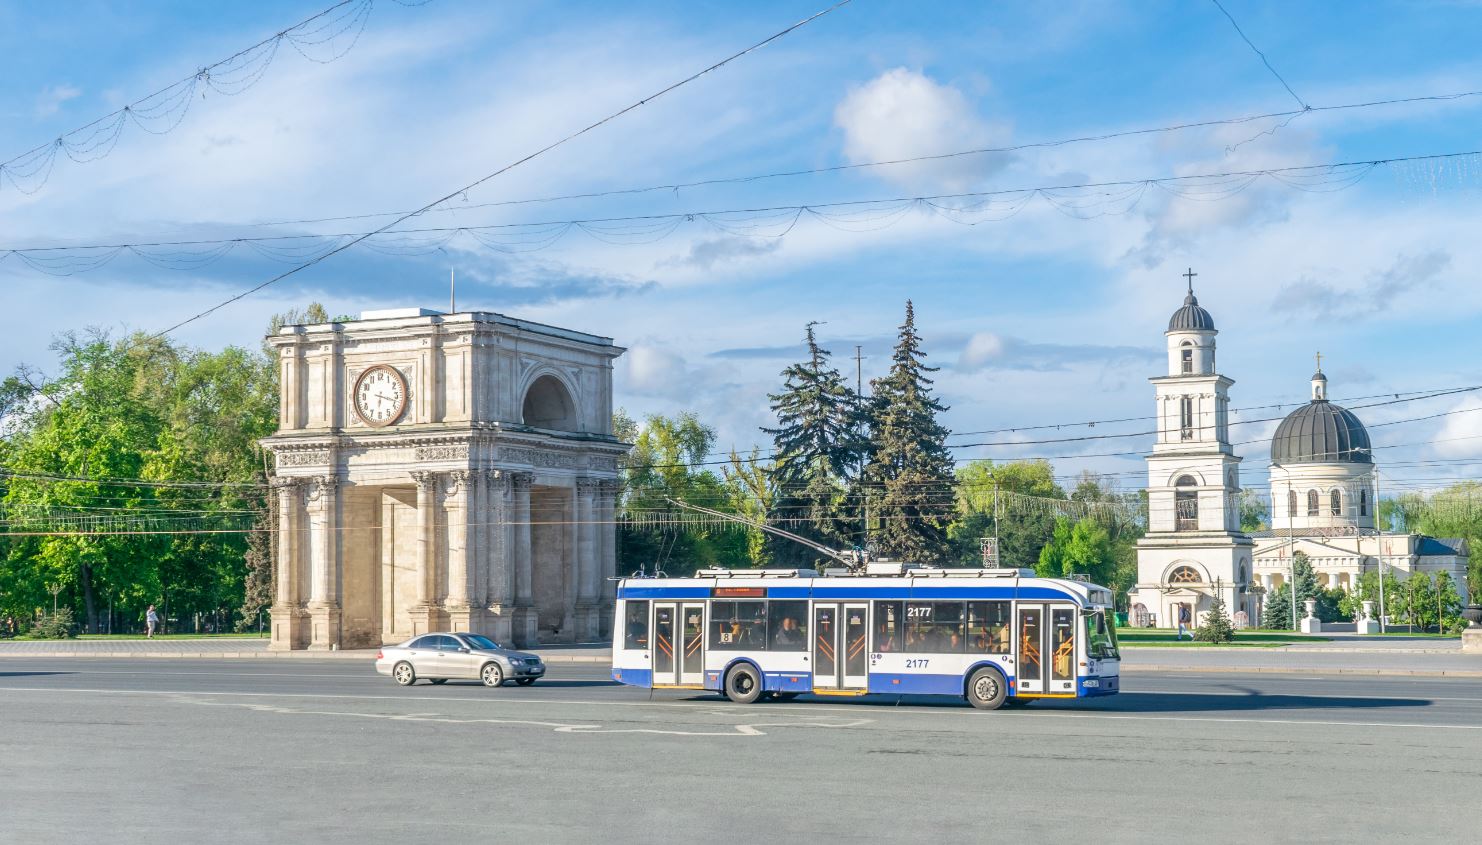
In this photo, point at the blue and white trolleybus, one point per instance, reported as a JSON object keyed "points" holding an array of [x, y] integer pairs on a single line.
{"points": [[992, 636]]}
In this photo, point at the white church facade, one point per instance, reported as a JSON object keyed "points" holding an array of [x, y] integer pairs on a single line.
{"points": [[1323, 493]]}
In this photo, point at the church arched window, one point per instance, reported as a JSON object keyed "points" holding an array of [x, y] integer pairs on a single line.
{"points": [[1313, 503], [1291, 503], [1187, 353], [1186, 504], [1184, 575], [1363, 503], [1335, 503]]}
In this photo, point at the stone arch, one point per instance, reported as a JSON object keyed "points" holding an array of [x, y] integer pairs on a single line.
{"points": [[1173, 477], [550, 403], [1186, 503]]}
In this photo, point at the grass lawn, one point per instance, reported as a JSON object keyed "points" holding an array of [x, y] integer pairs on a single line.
{"points": [[1134, 637]]}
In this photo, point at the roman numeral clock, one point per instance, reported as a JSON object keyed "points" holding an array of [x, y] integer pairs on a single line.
{"points": [[380, 396]]}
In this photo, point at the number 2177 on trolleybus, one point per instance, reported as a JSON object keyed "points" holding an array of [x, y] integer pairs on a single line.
{"points": [[992, 636]]}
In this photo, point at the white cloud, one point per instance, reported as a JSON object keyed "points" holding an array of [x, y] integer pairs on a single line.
{"points": [[982, 348], [51, 98], [905, 114], [1461, 435]]}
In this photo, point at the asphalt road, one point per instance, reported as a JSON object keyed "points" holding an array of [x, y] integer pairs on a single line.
{"points": [[217, 751]]}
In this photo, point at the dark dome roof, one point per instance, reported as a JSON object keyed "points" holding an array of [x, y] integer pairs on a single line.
{"points": [[1191, 318], [1321, 433]]}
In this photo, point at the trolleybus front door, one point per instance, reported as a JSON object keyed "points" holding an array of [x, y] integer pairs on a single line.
{"points": [[840, 654], [679, 644], [1030, 674], [1046, 648]]}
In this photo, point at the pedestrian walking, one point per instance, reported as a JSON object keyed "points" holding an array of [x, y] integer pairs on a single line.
{"points": [[151, 622]]}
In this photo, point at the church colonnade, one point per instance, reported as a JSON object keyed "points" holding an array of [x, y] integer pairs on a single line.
{"points": [[456, 551]]}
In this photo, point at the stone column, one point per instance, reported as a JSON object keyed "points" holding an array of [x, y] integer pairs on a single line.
{"points": [[324, 563], [525, 621], [424, 613], [585, 559], [458, 601], [499, 593], [290, 628], [606, 554]]}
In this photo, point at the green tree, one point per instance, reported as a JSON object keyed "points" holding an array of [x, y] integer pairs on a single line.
{"points": [[1277, 613], [1217, 627], [909, 469], [1080, 548], [1254, 515], [663, 466], [1448, 604], [818, 451], [749, 488], [1020, 534]]}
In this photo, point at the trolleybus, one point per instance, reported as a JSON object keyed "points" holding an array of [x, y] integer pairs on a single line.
{"points": [[992, 636]]}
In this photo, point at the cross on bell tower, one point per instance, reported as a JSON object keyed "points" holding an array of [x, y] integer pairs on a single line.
{"points": [[1190, 276]]}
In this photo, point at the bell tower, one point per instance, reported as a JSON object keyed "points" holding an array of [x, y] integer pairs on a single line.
{"points": [[1194, 541]]}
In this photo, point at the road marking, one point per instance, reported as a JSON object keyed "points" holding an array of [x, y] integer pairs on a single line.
{"points": [[801, 708], [746, 729]]}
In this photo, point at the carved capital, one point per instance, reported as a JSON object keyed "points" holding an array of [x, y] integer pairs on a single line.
{"points": [[454, 481], [322, 487], [521, 481], [426, 479], [284, 482], [587, 486]]}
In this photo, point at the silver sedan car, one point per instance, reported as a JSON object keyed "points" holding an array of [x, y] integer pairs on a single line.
{"points": [[440, 657]]}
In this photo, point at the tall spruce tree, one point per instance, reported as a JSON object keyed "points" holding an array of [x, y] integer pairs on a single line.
{"points": [[909, 471], [817, 446]]}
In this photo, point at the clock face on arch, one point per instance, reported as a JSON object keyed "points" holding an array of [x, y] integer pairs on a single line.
{"points": [[380, 395]]}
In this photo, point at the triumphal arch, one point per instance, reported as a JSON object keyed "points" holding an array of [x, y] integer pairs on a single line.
{"points": [[443, 472]]}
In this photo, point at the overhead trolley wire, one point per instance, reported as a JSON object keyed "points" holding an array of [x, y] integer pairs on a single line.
{"points": [[162, 111], [764, 221], [539, 152]]}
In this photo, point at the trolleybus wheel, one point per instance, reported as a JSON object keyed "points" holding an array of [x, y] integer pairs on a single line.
{"points": [[986, 690], [743, 684], [404, 674]]}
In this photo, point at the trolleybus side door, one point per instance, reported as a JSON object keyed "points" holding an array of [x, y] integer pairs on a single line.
{"points": [[692, 645], [665, 666], [1060, 649], [840, 646]]}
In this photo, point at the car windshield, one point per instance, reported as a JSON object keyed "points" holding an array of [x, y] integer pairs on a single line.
{"points": [[480, 641], [1102, 639]]}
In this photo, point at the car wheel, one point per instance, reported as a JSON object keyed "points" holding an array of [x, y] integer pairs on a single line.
{"points": [[525, 682], [404, 674], [986, 689], [439, 680], [492, 675], [743, 684]]}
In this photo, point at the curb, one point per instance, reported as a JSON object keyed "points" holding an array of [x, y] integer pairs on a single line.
{"points": [[263, 655], [1298, 670]]}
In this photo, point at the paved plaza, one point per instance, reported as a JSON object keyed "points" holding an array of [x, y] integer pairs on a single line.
{"points": [[185, 749]]}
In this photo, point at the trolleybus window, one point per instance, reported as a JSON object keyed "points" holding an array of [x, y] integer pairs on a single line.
{"points": [[889, 617], [988, 627], [934, 627], [635, 632], [787, 626], [738, 625]]}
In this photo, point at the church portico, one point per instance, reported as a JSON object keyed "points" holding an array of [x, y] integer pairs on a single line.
{"points": [[393, 524]]}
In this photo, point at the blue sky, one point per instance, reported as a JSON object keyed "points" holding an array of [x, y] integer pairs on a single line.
{"points": [[1040, 318]]}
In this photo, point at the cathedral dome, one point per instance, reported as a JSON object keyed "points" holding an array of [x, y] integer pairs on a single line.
{"points": [[1191, 317], [1321, 433]]}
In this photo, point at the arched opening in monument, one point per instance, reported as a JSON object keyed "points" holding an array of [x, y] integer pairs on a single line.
{"points": [[549, 405]]}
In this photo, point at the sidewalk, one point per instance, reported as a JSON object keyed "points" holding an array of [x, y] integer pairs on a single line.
{"points": [[248, 649]]}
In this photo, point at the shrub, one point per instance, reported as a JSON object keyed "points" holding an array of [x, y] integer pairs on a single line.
{"points": [[57, 626]]}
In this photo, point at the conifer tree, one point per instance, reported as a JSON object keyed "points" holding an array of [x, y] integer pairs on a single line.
{"points": [[817, 448], [1217, 627], [909, 470]]}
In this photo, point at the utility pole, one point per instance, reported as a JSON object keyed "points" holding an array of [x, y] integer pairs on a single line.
{"points": [[864, 496]]}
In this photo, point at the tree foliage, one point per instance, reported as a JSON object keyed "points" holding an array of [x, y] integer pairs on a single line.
{"points": [[909, 469], [1217, 627]]}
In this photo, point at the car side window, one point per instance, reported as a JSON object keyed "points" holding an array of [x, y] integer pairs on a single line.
{"points": [[448, 644], [425, 643]]}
